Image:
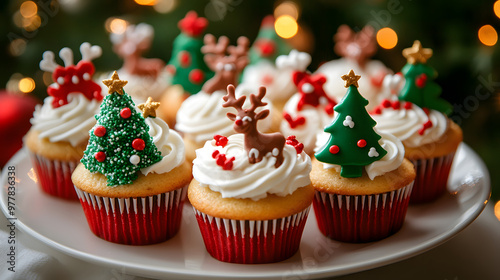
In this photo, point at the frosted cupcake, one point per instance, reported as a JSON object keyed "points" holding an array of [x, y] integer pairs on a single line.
{"points": [[188, 69], [202, 116], [59, 131], [355, 50], [147, 77], [362, 180], [419, 120], [133, 176], [309, 110], [251, 192]]}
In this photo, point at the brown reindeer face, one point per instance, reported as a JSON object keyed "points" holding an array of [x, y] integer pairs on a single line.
{"points": [[246, 120]]}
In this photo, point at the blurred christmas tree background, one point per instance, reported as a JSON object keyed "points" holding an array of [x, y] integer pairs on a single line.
{"points": [[462, 34]]}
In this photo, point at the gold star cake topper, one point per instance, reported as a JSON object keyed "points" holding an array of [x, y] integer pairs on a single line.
{"points": [[351, 79], [417, 54], [115, 84], [149, 108]]}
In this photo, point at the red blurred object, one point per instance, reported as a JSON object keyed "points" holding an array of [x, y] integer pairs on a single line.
{"points": [[16, 111]]}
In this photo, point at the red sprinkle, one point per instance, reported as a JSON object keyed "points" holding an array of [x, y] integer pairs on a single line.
{"points": [[300, 120], [100, 156], [215, 153], [100, 131], [386, 103], [408, 105], [220, 140], [334, 149], [361, 143], [396, 105], [125, 113], [425, 126], [292, 141], [138, 144]]}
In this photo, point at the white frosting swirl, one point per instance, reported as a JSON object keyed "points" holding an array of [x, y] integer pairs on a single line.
{"points": [[70, 122], [169, 143], [247, 180], [316, 120], [201, 116], [406, 123], [391, 161]]}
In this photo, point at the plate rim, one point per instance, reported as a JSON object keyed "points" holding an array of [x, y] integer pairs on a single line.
{"points": [[485, 193]]}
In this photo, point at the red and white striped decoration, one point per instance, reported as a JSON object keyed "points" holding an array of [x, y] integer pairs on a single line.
{"points": [[432, 178], [55, 176], [361, 218], [134, 221], [252, 241]]}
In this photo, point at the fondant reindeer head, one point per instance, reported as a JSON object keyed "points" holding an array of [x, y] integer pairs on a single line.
{"points": [[227, 67], [356, 46], [72, 78]]}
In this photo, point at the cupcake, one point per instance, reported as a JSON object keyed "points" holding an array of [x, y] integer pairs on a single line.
{"points": [[147, 77], [251, 192], [419, 119], [59, 132], [362, 180], [187, 67], [355, 50], [132, 179], [201, 116], [309, 110]]}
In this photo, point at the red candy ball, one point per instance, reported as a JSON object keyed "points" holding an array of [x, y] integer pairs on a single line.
{"points": [[125, 113], [100, 131], [362, 143], [138, 144], [100, 156], [334, 149]]}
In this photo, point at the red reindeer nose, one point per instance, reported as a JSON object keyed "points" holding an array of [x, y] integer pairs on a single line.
{"points": [[238, 122]]}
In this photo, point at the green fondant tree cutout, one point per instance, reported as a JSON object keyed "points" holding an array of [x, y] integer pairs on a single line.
{"points": [[419, 87], [268, 45], [119, 144], [353, 142], [187, 64]]}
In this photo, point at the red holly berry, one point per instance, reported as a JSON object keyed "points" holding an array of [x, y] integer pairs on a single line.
{"points": [[421, 80], [334, 149], [125, 113], [228, 164], [386, 103], [266, 47], [396, 105], [292, 141], [408, 105], [100, 156], [361, 143], [196, 76], [100, 131], [184, 59], [138, 144], [220, 140]]}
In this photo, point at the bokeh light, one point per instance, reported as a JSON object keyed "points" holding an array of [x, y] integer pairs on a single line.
{"points": [[116, 25], [165, 6], [17, 47], [28, 9], [26, 85], [287, 8], [497, 210], [487, 35], [387, 38], [286, 26], [146, 2], [496, 8]]}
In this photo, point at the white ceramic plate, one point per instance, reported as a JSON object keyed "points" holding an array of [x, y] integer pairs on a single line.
{"points": [[62, 225]]}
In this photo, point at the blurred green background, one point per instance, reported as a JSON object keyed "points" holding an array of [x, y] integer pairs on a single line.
{"points": [[468, 69]]}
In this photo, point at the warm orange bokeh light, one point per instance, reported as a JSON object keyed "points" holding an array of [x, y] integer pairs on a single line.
{"points": [[146, 2], [287, 8], [286, 26], [387, 38], [28, 9], [26, 85], [487, 35], [496, 8], [116, 25]]}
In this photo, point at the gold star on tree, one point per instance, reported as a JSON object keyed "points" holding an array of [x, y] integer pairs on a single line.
{"points": [[417, 54], [351, 79], [115, 84], [149, 108]]}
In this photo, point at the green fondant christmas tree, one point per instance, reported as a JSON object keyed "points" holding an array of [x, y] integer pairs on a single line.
{"points": [[119, 144], [187, 64], [353, 142], [419, 87], [268, 45]]}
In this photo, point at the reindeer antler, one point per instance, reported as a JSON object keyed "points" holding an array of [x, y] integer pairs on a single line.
{"points": [[231, 100], [90, 52], [214, 50], [256, 100], [239, 53], [48, 62]]}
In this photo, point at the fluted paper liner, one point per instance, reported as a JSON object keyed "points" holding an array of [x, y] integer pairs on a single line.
{"points": [[252, 241], [134, 221], [361, 218]]}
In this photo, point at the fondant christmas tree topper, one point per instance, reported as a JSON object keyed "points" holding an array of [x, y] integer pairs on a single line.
{"points": [[353, 143]]}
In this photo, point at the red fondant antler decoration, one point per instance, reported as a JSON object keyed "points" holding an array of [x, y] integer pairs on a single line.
{"points": [[226, 67], [245, 121], [311, 91]]}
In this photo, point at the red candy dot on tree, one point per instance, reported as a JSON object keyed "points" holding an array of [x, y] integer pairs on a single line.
{"points": [[421, 80], [100, 156], [361, 143], [125, 113], [100, 131], [138, 144], [334, 149], [196, 76], [185, 59], [267, 48]]}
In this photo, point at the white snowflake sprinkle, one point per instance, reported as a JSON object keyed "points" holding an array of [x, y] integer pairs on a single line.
{"points": [[373, 152]]}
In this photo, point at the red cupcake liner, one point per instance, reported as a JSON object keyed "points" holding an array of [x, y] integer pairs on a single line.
{"points": [[250, 241], [432, 178], [134, 221], [361, 218], [54, 176]]}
